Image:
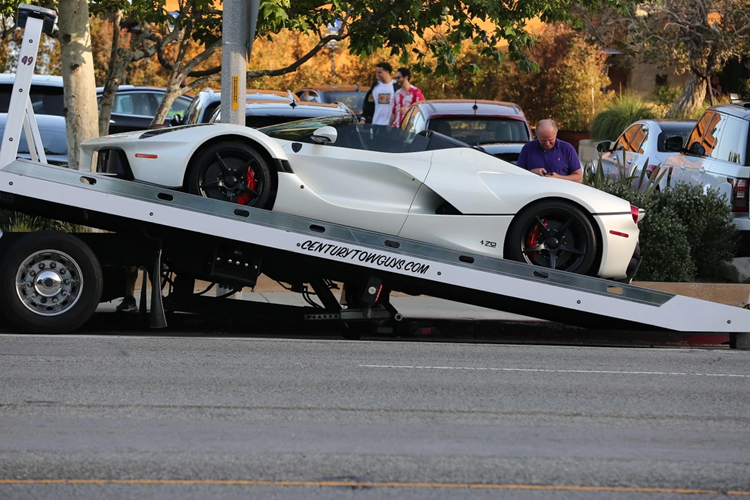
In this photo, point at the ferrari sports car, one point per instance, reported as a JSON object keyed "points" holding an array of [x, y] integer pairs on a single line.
{"points": [[423, 186]]}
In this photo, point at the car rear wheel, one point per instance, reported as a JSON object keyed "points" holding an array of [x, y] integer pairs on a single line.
{"points": [[231, 171], [553, 234]]}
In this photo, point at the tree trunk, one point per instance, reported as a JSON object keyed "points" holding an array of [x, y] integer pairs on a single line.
{"points": [[690, 99], [78, 77], [118, 63]]}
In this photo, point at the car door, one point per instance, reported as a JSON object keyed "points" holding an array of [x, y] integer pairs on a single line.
{"points": [[354, 181]]}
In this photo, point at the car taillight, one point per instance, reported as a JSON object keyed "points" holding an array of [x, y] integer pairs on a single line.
{"points": [[636, 213], [739, 194]]}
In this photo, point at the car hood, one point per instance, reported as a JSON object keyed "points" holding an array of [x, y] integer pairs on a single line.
{"points": [[473, 181], [494, 148]]}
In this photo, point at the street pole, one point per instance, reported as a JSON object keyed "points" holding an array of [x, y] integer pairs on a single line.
{"points": [[233, 61]]}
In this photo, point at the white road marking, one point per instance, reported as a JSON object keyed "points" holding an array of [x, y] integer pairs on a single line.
{"points": [[541, 370]]}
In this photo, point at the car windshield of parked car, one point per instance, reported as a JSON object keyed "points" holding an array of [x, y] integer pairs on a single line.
{"points": [[46, 100], [672, 130], [352, 99], [484, 130]]}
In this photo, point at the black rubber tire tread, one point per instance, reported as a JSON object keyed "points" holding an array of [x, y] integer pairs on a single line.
{"points": [[91, 293], [512, 243], [197, 163]]}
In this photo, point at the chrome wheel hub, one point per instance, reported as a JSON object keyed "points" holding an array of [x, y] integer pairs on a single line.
{"points": [[49, 282]]}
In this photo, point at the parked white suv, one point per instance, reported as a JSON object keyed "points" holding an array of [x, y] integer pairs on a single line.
{"points": [[716, 155]]}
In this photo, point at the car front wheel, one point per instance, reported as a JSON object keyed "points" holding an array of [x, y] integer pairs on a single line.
{"points": [[231, 171], [553, 234]]}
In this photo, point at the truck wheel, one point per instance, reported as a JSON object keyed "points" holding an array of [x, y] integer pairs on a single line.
{"points": [[50, 282], [231, 171]]}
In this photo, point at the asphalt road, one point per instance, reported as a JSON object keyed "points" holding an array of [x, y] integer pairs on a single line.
{"points": [[151, 417]]}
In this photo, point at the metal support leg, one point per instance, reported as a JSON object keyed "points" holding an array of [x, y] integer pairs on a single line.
{"points": [[157, 317], [324, 294]]}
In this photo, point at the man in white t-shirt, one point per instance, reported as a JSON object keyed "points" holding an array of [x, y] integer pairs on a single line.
{"points": [[379, 99]]}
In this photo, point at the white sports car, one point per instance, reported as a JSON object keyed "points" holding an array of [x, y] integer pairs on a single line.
{"points": [[426, 187]]}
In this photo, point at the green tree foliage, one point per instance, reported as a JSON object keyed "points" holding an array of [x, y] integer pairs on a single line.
{"points": [[619, 113], [568, 85], [696, 37]]}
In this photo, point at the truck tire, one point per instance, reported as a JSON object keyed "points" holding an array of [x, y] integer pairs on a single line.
{"points": [[50, 282]]}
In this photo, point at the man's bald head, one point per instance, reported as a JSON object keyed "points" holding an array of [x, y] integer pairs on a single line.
{"points": [[546, 133]]}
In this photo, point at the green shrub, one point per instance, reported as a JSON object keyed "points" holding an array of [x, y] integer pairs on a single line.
{"points": [[621, 111], [665, 95], [665, 247], [707, 216], [687, 233], [23, 223]]}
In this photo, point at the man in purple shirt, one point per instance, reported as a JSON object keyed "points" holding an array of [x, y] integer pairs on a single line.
{"points": [[549, 156]]}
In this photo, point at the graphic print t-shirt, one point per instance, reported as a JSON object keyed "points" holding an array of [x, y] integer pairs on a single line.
{"points": [[382, 94]]}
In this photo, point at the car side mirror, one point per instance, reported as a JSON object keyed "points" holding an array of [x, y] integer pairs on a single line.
{"points": [[673, 144], [603, 146], [697, 148], [325, 135]]}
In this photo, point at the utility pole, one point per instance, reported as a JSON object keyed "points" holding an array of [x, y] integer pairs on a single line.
{"points": [[238, 30]]}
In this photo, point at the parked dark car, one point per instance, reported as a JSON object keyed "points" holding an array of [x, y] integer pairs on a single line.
{"points": [[46, 93], [134, 107], [500, 128], [54, 138], [351, 95], [207, 101], [266, 113]]}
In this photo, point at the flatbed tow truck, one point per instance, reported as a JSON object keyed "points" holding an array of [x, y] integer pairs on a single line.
{"points": [[52, 282]]}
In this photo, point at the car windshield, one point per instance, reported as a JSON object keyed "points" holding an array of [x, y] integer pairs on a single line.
{"points": [[351, 98], [296, 130], [671, 130], [484, 130], [366, 137]]}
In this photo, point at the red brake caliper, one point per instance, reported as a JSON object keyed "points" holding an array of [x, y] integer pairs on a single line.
{"points": [[252, 183], [533, 238]]}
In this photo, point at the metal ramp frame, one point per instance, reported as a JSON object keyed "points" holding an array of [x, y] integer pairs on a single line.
{"points": [[437, 271]]}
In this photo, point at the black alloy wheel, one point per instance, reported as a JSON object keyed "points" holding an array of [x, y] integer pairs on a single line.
{"points": [[231, 171], [553, 234]]}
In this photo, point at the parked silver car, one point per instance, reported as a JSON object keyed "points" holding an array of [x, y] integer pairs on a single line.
{"points": [[645, 142]]}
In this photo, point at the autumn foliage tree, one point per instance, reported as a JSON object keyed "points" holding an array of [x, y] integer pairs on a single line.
{"points": [[694, 36]]}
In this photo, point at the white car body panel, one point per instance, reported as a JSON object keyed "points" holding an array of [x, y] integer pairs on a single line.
{"points": [[392, 193], [171, 149]]}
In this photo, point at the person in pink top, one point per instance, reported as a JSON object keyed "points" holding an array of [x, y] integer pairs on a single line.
{"points": [[405, 96]]}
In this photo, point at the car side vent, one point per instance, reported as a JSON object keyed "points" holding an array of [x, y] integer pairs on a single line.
{"points": [[447, 209]]}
